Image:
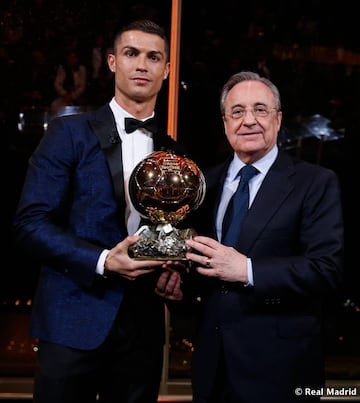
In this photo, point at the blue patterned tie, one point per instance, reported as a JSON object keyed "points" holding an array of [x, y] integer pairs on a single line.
{"points": [[237, 207]]}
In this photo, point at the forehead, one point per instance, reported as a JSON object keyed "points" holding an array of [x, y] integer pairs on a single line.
{"points": [[249, 93], [142, 41]]}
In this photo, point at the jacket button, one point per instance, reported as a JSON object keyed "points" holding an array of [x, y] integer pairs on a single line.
{"points": [[223, 289]]}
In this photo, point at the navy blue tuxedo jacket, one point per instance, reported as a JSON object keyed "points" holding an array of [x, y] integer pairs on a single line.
{"points": [[71, 208], [270, 335]]}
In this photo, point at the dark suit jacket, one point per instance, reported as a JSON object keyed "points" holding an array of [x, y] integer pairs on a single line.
{"points": [[71, 208], [271, 334]]}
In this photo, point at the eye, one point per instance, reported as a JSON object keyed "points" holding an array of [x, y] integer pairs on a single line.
{"points": [[154, 57], [260, 108], [237, 113], [131, 52]]}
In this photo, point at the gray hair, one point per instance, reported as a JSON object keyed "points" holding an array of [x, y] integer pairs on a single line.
{"points": [[247, 76]]}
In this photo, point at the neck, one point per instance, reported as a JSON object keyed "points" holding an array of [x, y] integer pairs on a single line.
{"points": [[140, 110]]}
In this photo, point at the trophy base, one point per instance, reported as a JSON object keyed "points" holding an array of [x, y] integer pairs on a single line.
{"points": [[161, 242]]}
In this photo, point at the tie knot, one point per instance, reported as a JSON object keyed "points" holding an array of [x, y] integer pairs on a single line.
{"points": [[246, 173], [132, 124]]}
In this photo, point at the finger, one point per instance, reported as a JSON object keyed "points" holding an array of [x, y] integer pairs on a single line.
{"points": [[169, 266], [205, 271], [200, 247], [177, 285], [168, 283], [159, 293], [132, 239], [147, 263], [196, 257], [177, 293], [210, 242], [132, 275], [130, 278], [125, 243], [162, 281], [172, 281]]}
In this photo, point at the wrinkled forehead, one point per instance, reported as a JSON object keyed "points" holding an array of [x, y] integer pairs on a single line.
{"points": [[250, 93]]}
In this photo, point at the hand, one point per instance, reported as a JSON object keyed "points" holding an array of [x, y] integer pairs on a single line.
{"points": [[177, 265], [169, 286], [217, 260], [118, 261]]}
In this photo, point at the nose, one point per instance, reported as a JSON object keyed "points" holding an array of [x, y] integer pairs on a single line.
{"points": [[141, 62], [249, 116]]}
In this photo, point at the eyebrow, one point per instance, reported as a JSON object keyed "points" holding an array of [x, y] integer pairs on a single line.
{"points": [[255, 104], [150, 52]]}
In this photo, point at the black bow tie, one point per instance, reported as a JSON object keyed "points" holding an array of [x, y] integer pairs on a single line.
{"points": [[132, 124]]}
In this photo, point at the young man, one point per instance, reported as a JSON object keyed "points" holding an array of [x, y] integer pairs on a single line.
{"points": [[98, 314]]}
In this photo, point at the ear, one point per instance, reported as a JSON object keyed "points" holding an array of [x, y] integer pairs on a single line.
{"points": [[111, 62], [166, 71]]}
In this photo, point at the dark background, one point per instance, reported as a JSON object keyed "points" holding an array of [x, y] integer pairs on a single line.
{"points": [[309, 49]]}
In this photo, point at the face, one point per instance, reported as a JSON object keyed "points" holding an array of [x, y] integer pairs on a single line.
{"points": [[251, 136], [140, 66]]}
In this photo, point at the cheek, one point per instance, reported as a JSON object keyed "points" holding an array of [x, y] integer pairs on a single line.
{"points": [[228, 127], [157, 84]]}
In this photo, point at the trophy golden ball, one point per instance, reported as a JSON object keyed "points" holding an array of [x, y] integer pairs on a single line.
{"points": [[164, 187]]}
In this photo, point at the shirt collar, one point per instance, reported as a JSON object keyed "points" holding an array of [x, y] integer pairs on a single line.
{"points": [[262, 165], [120, 114]]}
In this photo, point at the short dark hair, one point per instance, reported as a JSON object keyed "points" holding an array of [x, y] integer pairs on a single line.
{"points": [[147, 26]]}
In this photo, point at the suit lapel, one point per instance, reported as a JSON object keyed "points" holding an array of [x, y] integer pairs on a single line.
{"points": [[273, 191], [104, 126], [215, 179], [110, 143]]}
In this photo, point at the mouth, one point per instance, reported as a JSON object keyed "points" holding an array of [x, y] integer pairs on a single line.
{"points": [[140, 80], [250, 134]]}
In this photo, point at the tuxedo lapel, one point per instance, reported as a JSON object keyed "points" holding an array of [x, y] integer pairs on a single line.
{"points": [[104, 126], [111, 145]]}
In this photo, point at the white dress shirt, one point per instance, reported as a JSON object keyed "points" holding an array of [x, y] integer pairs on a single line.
{"points": [[135, 147], [231, 183]]}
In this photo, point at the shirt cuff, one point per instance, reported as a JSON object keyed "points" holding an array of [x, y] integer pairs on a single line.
{"points": [[250, 282], [101, 262]]}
